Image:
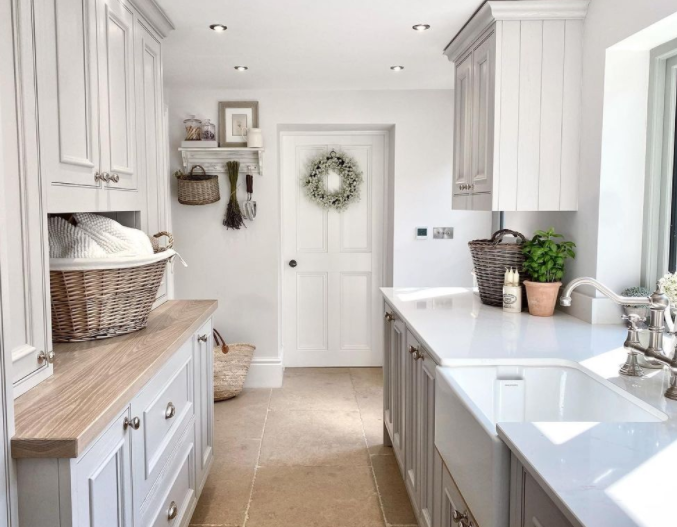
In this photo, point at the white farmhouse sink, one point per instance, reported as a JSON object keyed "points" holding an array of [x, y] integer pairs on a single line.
{"points": [[471, 399]]}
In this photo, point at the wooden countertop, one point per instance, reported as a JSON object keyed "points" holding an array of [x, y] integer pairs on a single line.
{"points": [[94, 381]]}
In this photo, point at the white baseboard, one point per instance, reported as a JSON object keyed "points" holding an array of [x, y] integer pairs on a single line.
{"points": [[594, 310], [265, 373]]}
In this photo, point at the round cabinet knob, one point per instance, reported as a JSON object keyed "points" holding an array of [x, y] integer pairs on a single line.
{"points": [[46, 357], [460, 517], [173, 511], [99, 177], [389, 317], [115, 178], [413, 349], [292, 263], [202, 338], [170, 411], [134, 423]]}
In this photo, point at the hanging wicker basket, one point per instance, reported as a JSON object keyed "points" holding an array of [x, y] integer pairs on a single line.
{"points": [[231, 365], [490, 260], [103, 298], [198, 189]]}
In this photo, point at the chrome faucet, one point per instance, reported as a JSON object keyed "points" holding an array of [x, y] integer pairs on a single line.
{"points": [[654, 354]]}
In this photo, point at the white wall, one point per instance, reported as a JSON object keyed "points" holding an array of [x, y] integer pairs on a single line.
{"points": [[241, 268], [608, 225]]}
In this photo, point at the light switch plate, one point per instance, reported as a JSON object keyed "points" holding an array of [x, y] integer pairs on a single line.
{"points": [[443, 233]]}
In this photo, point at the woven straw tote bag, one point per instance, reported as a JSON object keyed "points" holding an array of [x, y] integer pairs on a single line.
{"points": [[231, 365]]}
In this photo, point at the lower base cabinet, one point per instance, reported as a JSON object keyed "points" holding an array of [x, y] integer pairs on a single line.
{"points": [[453, 512], [147, 468], [530, 505]]}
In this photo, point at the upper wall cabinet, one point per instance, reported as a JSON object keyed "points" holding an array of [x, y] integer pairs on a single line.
{"points": [[86, 63], [517, 106]]}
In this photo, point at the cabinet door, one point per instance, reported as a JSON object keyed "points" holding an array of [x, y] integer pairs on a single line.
{"points": [[483, 71], [538, 510], [115, 32], [426, 411], [204, 386], [23, 242], [398, 358], [150, 125], [453, 505], [412, 427], [463, 126], [66, 69], [103, 480]]}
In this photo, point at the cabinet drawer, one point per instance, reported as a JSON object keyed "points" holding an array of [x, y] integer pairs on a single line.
{"points": [[164, 407], [538, 509], [177, 501]]}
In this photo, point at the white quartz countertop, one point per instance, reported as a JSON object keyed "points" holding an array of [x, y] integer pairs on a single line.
{"points": [[600, 474]]}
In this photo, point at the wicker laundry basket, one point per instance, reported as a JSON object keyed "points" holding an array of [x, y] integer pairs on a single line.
{"points": [[92, 300], [490, 260], [198, 189], [231, 365]]}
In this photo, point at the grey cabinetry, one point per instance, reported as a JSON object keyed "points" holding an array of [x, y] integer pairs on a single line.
{"points": [[409, 416], [394, 345], [530, 505]]}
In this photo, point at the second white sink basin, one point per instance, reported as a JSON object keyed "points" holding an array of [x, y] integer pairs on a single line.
{"points": [[472, 399]]}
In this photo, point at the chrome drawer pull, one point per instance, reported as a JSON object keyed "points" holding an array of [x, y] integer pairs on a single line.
{"points": [[134, 423], [173, 511], [170, 411]]}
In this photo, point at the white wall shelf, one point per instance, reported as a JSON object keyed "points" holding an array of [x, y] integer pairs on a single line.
{"points": [[214, 159]]}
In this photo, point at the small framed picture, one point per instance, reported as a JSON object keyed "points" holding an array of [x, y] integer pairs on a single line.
{"points": [[235, 119]]}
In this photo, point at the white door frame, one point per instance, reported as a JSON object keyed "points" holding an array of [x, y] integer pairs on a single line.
{"points": [[388, 205]]}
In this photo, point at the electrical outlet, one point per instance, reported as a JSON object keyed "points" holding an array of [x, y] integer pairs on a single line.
{"points": [[443, 233]]}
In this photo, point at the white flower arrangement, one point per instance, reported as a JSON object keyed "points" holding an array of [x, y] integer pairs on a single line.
{"points": [[668, 285], [351, 179]]}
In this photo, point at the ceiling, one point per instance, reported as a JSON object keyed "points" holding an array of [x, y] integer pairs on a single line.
{"points": [[312, 44]]}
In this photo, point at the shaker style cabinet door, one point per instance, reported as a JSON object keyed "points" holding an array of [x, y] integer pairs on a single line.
{"points": [[204, 386], [115, 31], [426, 410], [412, 427], [67, 82], [463, 126], [483, 71], [103, 480]]}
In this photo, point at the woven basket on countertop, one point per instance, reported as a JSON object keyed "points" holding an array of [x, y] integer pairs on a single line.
{"points": [[102, 303], [198, 189], [490, 260], [231, 365]]}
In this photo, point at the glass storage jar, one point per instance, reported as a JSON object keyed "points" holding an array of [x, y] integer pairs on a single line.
{"points": [[192, 128], [208, 130]]}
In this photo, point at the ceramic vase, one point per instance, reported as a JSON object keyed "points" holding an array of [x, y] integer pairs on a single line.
{"points": [[542, 297], [254, 138]]}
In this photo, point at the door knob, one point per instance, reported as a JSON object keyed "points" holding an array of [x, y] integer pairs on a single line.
{"points": [[292, 263]]}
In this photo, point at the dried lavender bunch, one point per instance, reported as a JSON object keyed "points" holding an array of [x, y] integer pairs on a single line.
{"points": [[233, 218]]}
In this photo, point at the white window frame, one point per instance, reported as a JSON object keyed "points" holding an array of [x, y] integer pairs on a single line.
{"points": [[660, 160]]}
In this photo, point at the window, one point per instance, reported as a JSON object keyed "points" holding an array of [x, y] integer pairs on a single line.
{"points": [[660, 207], [672, 145]]}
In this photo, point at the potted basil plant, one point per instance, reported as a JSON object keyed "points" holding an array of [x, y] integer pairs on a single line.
{"points": [[544, 261]]}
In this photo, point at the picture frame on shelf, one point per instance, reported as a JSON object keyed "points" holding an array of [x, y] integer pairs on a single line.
{"points": [[235, 119]]}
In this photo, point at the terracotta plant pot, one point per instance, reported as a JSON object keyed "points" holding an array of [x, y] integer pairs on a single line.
{"points": [[542, 297]]}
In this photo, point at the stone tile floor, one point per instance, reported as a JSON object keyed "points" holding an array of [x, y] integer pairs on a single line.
{"points": [[309, 454]]}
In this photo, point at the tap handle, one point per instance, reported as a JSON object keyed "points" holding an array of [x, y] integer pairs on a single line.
{"points": [[634, 322]]}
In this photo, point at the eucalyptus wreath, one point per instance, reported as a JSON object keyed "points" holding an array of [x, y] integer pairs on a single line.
{"points": [[351, 178]]}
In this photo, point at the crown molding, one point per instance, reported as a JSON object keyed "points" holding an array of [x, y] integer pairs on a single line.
{"points": [[155, 16], [492, 11]]}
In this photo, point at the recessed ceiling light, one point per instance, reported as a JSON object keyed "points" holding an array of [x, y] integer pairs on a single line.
{"points": [[397, 68], [421, 27], [241, 68], [219, 28]]}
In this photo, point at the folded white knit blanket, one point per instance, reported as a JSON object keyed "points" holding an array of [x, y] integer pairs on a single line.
{"points": [[95, 236]]}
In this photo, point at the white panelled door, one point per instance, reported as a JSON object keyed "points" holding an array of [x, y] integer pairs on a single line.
{"points": [[331, 306]]}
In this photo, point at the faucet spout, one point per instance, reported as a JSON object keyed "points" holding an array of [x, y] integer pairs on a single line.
{"points": [[658, 300]]}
